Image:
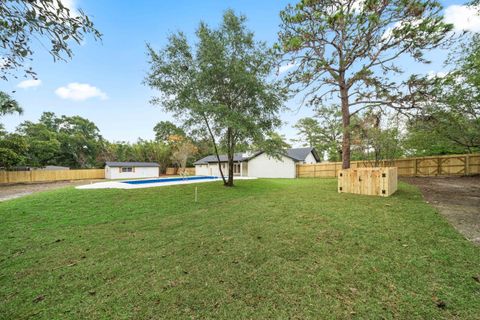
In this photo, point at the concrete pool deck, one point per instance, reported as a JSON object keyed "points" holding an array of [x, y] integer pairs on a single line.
{"points": [[122, 185]]}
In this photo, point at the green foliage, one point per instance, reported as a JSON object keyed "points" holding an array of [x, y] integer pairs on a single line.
{"points": [[43, 143], [376, 137], [222, 88], [323, 131], [421, 140], [273, 144], [450, 119], [23, 20], [8, 105], [68, 141], [142, 150], [12, 150], [164, 129]]}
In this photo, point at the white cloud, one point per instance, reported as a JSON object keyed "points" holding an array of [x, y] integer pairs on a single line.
{"points": [[286, 67], [80, 91], [463, 18], [30, 83], [71, 4]]}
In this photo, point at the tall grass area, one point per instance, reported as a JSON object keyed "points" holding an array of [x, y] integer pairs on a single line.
{"points": [[263, 249]]}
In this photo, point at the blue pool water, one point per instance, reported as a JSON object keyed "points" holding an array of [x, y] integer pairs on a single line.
{"points": [[169, 180]]}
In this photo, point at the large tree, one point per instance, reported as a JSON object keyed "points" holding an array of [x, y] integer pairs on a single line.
{"points": [[349, 49], [323, 131], [165, 129], [24, 20], [376, 137], [70, 141], [449, 121], [12, 149], [223, 87]]}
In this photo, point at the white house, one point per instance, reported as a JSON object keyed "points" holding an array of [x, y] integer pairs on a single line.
{"points": [[129, 170], [258, 164]]}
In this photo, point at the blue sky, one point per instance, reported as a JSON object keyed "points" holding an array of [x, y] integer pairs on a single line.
{"points": [[111, 71]]}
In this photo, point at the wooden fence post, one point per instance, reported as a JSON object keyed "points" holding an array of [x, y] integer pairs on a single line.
{"points": [[467, 165]]}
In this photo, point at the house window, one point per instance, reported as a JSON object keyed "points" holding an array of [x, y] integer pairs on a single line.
{"points": [[236, 168], [126, 169]]}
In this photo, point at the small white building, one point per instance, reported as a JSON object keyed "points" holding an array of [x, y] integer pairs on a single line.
{"points": [[130, 170], [258, 164]]}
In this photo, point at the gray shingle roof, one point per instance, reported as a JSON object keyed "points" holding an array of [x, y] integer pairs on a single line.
{"points": [[297, 154], [300, 154], [131, 164], [223, 158]]}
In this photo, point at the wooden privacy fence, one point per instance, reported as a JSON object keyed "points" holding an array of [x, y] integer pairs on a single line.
{"points": [[188, 171], [50, 175], [451, 165]]}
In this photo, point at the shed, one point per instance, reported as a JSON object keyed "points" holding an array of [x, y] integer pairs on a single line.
{"points": [[129, 170]]}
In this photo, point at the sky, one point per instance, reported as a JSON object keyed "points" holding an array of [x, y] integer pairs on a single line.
{"points": [[103, 81]]}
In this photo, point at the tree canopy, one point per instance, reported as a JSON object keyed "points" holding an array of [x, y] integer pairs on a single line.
{"points": [[23, 20], [348, 49], [222, 88], [165, 129]]}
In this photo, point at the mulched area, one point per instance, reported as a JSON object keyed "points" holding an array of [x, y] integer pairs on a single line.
{"points": [[456, 198]]}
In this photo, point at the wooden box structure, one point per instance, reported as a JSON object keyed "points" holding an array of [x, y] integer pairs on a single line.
{"points": [[369, 181]]}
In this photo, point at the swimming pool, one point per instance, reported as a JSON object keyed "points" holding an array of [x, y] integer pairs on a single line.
{"points": [[160, 180], [156, 182]]}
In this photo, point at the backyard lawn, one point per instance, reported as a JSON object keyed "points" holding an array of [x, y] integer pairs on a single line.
{"points": [[264, 249]]}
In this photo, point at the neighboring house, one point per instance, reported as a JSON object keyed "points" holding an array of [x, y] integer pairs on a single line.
{"points": [[258, 164], [128, 170]]}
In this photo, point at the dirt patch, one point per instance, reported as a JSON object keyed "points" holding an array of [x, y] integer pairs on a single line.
{"points": [[18, 190], [457, 198]]}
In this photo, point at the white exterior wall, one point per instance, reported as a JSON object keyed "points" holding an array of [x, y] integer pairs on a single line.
{"points": [[211, 169], [201, 170], [214, 171], [310, 159], [263, 166], [140, 172]]}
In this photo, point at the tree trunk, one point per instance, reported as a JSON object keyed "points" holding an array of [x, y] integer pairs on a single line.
{"points": [[215, 148], [346, 127], [230, 153]]}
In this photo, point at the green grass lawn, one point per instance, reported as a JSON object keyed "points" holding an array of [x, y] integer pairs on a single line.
{"points": [[264, 249]]}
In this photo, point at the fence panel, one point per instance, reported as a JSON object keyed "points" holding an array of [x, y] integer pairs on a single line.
{"points": [[172, 171], [451, 165], [50, 175]]}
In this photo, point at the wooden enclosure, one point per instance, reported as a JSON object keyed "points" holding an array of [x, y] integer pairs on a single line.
{"points": [[50, 175], [451, 165], [368, 181]]}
